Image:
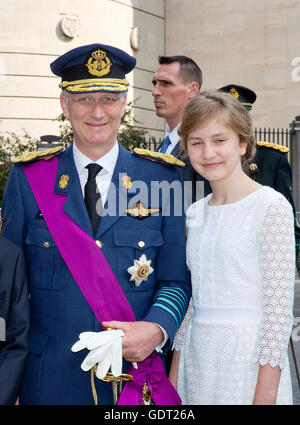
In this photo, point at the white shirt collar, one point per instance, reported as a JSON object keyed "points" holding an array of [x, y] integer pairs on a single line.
{"points": [[173, 135], [107, 162]]}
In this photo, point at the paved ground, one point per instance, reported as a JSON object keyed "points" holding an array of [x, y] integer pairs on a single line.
{"points": [[296, 344]]}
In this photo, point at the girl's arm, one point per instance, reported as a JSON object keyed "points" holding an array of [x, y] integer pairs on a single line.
{"points": [[267, 385], [277, 254], [174, 368]]}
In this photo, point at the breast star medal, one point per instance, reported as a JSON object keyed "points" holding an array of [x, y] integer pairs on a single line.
{"points": [[140, 270]]}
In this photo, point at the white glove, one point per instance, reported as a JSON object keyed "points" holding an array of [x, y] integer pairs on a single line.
{"points": [[105, 349]]}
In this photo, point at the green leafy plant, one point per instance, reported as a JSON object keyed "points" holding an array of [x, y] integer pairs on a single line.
{"points": [[12, 145], [65, 130], [129, 135], [5, 166]]}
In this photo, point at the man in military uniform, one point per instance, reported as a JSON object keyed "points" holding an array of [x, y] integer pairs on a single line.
{"points": [[175, 82], [270, 166], [100, 248]]}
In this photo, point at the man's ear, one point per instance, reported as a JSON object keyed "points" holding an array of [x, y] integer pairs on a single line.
{"points": [[194, 89], [64, 106]]}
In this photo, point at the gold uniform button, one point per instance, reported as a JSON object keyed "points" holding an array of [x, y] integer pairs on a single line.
{"points": [[99, 243], [253, 167], [141, 244], [46, 244]]}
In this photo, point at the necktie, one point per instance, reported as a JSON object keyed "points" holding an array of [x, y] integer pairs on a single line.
{"points": [[165, 144], [92, 197]]}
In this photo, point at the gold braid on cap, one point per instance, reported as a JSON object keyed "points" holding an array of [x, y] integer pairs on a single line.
{"points": [[112, 84], [246, 103]]}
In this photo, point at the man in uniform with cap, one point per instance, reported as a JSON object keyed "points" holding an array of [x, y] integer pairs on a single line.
{"points": [[270, 165], [100, 247]]}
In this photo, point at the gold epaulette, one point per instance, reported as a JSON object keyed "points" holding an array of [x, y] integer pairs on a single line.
{"points": [[35, 156], [280, 148], [163, 158]]}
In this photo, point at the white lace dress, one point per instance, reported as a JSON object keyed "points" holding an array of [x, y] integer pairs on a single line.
{"points": [[241, 258]]}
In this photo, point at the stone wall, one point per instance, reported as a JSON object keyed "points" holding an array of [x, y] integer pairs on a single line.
{"points": [[252, 43], [31, 38]]}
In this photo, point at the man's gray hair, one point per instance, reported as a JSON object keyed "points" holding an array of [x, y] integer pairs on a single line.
{"points": [[66, 95]]}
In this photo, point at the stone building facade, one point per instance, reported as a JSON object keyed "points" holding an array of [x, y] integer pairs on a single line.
{"points": [[252, 43]]}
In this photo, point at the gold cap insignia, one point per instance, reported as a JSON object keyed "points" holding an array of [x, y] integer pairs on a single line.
{"points": [[140, 270], [127, 182], [98, 64], [253, 167], [2, 224], [141, 212], [234, 93], [63, 182]]}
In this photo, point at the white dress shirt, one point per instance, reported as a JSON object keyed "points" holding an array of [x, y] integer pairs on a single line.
{"points": [[173, 136], [103, 180]]}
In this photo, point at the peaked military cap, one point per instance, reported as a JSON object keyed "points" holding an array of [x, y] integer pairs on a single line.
{"points": [[93, 68], [244, 95]]}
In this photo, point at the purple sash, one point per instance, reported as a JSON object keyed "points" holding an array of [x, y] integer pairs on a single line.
{"points": [[95, 279]]}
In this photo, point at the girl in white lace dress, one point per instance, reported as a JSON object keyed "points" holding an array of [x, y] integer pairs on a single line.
{"points": [[232, 345]]}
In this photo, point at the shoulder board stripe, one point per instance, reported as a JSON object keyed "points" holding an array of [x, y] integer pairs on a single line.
{"points": [[280, 148], [163, 158]]}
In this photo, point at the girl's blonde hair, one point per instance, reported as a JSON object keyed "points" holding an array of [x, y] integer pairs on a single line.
{"points": [[225, 107]]}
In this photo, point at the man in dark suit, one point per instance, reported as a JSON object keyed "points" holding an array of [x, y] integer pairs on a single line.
{"points": [[14, 320], [176, 81]]}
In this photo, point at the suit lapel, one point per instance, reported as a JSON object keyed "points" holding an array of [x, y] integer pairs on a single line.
{"points": [[159, 146], [178, 152], [67, 183]]}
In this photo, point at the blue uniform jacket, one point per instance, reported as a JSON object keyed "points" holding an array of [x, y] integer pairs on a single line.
{"points": [[58, 310], [14, 320]]}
